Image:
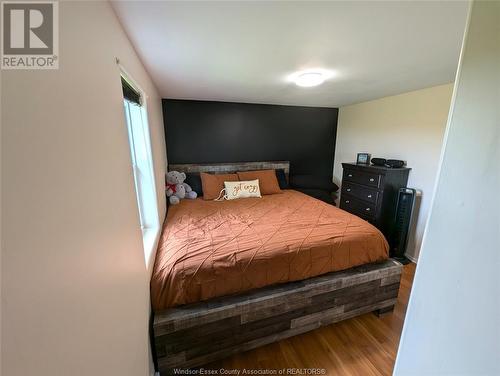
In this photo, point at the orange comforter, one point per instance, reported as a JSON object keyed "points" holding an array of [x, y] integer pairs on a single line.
{"points": [[209, 249]]}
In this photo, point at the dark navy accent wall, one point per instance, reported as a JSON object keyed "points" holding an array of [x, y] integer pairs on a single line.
{"points": [[211, 132]]}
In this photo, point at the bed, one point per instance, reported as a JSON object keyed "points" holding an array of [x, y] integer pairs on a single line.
{"points": [[233, 275]]}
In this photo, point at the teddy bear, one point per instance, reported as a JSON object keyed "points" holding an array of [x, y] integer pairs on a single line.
{"points": [[177, 189]]}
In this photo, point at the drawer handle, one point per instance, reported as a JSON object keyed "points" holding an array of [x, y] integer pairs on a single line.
{"points": [[348, 189], [347, 201], [369, 196], [372, 179], [350, 175], [367, 209]]}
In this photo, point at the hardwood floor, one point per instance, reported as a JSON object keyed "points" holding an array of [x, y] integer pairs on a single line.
{"points": [[365, 345]]}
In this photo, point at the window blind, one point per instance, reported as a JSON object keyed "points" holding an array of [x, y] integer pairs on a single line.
{"points": [[129, 93]]}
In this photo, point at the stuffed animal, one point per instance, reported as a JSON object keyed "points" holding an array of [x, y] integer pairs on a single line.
{"points": [[177, 189]]}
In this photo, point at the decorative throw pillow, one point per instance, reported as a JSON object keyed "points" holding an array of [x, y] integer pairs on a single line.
{"points": [[281, 176], [242, 189], [212, 184], [194, 181], [267, 180]]}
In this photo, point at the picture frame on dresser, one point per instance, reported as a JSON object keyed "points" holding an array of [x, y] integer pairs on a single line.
{"points": [[363, 158]]}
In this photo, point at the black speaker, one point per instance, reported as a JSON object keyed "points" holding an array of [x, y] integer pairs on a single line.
{"points": [[402, 223], [378, 161], [394, 163]]}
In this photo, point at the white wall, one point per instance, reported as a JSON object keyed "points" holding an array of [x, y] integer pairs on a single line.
{"points": [[75, 287], [452, 326], [408, 126]]}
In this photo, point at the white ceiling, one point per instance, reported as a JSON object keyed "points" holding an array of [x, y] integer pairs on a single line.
{"points": [[244, 51]]}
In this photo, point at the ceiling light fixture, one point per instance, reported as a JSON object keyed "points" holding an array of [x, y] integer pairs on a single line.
{"points": [[310, 77]]}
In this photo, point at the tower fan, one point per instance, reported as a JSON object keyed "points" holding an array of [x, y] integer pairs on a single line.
{"points": [[402, 224]]}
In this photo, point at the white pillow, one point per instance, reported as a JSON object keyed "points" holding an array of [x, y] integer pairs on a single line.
{"points": [[242, 189]]}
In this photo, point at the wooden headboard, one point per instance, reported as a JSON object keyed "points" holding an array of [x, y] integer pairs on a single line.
{"points": [[227, 168]]}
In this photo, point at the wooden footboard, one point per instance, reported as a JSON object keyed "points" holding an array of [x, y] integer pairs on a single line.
{"points": [[196, 334]]}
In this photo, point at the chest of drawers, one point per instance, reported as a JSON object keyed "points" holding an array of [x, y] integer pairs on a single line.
{"points": [[370, 192]]}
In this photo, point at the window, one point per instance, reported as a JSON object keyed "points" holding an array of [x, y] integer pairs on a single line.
{"points": [[142, 160]]}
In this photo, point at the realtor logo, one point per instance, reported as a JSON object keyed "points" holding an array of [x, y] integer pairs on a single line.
{"points": [[30, 35]]}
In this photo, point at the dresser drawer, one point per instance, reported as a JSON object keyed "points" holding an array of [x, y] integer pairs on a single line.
{"points": [[361, 192], [357, 207], [362, 177]]}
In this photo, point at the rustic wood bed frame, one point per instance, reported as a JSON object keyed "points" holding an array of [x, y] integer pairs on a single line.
{"points": [[227, 168], [195, 334]]}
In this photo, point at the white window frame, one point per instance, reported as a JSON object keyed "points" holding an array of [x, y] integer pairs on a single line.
{"points": [[150, 226]]}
